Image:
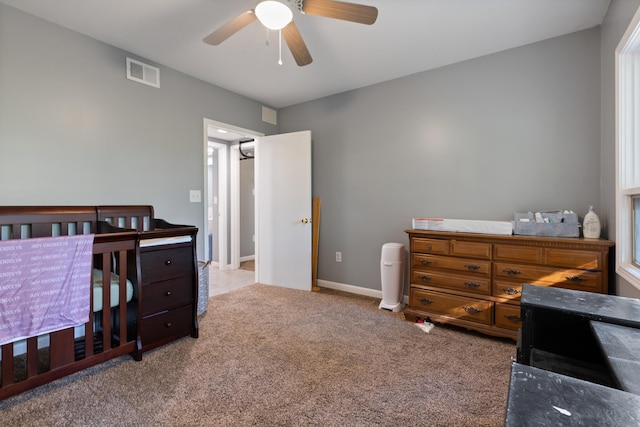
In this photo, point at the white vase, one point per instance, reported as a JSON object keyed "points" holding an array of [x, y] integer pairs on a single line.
{"points": [[591, 225]]}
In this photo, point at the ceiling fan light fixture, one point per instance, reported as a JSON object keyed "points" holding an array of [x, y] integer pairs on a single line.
{"points": [[273, 14]]}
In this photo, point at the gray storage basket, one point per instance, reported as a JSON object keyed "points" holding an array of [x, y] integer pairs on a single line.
{"points": [[203, 286], [560, 224]]}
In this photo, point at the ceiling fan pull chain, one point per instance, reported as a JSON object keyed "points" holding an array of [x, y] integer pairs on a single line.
{"points": [[279, 47], [267, 41]]}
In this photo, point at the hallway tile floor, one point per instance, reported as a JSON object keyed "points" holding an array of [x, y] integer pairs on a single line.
{"points": [[222, 281]]}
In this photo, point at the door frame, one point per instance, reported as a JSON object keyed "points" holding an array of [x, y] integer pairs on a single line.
{"points": [[234, 199], [223, 193], [221, 205]]}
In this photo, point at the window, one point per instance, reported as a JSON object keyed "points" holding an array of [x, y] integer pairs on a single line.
{"points": [[628, 154]]}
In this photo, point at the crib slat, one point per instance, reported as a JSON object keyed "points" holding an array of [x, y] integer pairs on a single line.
{"points": [[88, 333], [32, 356], [7, 364], [106, 301], [16, 231], [122, 261], [61, 348], [40, 230]]}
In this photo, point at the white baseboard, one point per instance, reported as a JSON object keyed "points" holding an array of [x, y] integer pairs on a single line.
{"points": [[374, 293], [242, 259]]}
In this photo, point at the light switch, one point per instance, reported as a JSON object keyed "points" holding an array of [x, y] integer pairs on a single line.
{"points": [[195, 196]]}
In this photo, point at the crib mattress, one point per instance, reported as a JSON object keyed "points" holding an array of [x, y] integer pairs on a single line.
{"points": [[115, 290]]}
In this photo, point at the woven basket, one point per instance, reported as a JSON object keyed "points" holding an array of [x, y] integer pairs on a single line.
{"points": [[203, 286]]}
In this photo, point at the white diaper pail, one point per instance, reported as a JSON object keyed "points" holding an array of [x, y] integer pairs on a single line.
{"points": [[392, 276]]}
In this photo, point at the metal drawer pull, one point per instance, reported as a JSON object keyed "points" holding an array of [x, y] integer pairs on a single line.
{"points": [[511, 291], [472, 285], [425, 278], [425, 301], [576, 279], [167, 262], [425, 261], [472, 267], [511, 272], [428, 247], [513, 318], [168, 324], [471, 309], [168, 293]]}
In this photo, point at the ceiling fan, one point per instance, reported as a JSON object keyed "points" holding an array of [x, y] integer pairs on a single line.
{"points": [[276, 15]]}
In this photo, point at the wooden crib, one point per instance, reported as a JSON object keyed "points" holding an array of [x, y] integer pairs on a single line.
{"points": [[109, 333]]}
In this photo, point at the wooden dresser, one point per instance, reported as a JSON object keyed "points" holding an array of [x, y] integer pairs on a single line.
{"points": [[169, 280], [475, 280]]}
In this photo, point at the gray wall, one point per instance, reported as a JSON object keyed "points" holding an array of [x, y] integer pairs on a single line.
{"points": [[74, 130], [615, 24], [529, 128], [513, 131]]}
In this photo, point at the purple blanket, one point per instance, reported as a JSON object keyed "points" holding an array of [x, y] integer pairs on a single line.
{"points": [[45, 285]]}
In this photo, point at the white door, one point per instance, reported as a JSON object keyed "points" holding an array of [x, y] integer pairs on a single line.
{"points": [[283, 200]]}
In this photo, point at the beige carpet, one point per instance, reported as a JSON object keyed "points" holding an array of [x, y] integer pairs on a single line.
{"points": [[269, 356]]}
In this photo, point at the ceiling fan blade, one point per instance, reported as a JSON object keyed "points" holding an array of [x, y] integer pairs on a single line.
{"points": [[296, 45], [341, 10], [230, 28]]}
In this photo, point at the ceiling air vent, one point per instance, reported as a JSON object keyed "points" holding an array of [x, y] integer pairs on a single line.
{"points": [[143, 73]]}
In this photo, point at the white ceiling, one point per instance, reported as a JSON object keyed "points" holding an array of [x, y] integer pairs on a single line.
{"points": [[409, 36]]}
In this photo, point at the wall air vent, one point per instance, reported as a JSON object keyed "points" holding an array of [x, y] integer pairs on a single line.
{"points": [[269, 116], [143, 73]]}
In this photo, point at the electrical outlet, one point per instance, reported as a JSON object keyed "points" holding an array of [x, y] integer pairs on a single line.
{"points": [[195, 196], [338, 256]]}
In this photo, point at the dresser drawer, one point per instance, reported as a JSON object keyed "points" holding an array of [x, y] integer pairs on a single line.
{"points": [[515, 253], [458, 307], [168, 324], [508, 316], [567, 278], [476, 284], [507, 290], [585, 260], [430, 246], [166, 263], [448, 263], [471, 249], [159, 296]]}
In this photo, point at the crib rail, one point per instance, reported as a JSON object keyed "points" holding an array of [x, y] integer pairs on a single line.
{"points": [[108, 334], [137, 217], [23, 222]]}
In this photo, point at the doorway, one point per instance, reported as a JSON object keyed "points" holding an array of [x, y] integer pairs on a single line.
{"points": [[282, 169], [222, 193]]}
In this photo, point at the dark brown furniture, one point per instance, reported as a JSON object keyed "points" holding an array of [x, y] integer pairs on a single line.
{"points": [[475, 280], [168, 265], [162, 308]]}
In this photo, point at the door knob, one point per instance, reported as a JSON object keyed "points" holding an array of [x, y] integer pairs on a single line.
{"points": [[305, 220]]}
